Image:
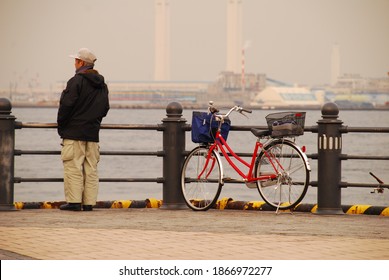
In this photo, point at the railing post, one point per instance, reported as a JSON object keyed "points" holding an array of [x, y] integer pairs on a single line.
{"points": [[7, 145], [329, 161], [174, 148]]}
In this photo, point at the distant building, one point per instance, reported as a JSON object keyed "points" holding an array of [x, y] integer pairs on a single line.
{"points": [[230, 81], [288, 97], [157, 92], [225, 91], [228, 88], [355, 91]]}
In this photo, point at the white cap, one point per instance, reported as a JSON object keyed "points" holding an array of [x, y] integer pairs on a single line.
{"points": [[86, 55]]}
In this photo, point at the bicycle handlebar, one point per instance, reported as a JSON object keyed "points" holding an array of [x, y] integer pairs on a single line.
{"points": [[238, 109]]}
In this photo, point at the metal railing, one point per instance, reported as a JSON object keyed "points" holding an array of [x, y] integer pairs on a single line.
{"points": [[30, 125], [174, 128], [173, 154]]}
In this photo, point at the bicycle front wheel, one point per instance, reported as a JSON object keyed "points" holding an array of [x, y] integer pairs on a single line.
{"points": [[201, 178], [283, 160]]}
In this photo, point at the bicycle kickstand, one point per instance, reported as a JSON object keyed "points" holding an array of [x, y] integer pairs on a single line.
{"points": [[278, 209]]}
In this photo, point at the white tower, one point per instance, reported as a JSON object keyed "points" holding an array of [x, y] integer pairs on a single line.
{"points": [[335, 64], [234, 35], [162, 40]]}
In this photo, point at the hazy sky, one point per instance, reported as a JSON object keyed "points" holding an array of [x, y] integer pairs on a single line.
{"points": [[291, 40]]}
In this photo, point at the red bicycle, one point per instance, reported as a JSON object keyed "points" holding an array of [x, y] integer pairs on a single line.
{"points": [[278, 168]]}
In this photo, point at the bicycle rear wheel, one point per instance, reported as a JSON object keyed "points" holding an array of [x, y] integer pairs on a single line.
{"points": [[201, 179], [285, 160]]}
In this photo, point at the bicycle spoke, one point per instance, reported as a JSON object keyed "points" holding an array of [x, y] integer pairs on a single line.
{"points": [[292, 175], [201, 179]]}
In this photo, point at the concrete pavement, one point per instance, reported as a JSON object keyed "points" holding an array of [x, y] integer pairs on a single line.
{"points": [[153, 233]]}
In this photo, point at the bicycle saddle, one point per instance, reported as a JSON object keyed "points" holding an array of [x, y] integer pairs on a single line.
{"points": [[260, 133]]}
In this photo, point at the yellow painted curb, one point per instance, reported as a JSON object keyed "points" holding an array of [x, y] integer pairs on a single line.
{"points": [[221, 204], [121, 204], [255, 205], [47, 205], [153, 203], [385, 212], [224, 203], [357, 209], [19, 205]]}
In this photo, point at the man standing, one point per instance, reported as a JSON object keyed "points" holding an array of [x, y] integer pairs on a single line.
{"points": [[83, 104]]}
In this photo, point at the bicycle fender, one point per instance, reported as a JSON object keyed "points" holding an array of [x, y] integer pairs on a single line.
{"points": [[221, 165], [304, 155]]}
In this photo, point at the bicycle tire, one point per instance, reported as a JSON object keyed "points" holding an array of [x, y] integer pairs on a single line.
{"points": [[292, 168], [200, 194]]}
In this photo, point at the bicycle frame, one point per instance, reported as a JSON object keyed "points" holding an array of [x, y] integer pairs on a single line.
{"points": [[218, 145], [277, 167]]}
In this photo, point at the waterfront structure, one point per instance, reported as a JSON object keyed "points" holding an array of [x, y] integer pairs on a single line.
{"points": [[351, 91], [226, 90], [157, 92], [355, 91]]}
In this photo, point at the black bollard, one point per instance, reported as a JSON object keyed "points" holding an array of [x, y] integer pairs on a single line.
{"points": [[329, 162], [174, 148], [7, 145]]}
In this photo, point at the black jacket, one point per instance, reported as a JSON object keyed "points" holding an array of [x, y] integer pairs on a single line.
{"points": [[83, 104]]}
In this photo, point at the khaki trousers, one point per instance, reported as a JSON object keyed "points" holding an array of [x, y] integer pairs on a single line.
{"points": [[81, 180]]}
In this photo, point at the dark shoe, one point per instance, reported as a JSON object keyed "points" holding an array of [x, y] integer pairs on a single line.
{"points": [[87, 207], [71, 207]]}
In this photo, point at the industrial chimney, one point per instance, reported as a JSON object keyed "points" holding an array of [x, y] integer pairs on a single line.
{"points": [[234, 35], [162, 40]]}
